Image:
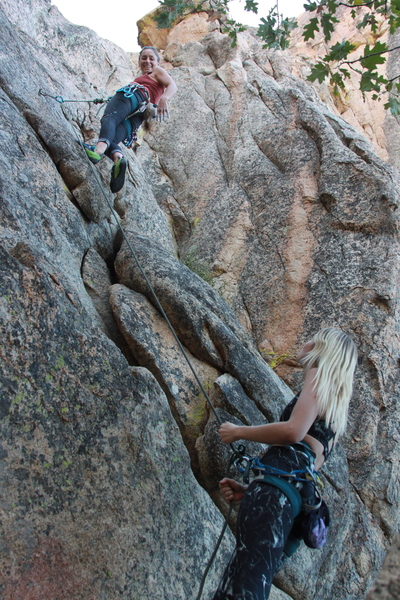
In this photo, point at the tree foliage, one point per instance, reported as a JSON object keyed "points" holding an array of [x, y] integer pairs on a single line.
{"points": [[336, 65]]}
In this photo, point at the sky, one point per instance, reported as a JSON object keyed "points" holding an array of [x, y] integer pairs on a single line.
{"points": [[119, 25]]}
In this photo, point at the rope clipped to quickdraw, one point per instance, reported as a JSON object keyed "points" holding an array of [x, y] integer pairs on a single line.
{"points": [[62, 100], [238, 454], [151, 289]]}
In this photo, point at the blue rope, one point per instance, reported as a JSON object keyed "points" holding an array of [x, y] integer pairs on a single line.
{"points": [[255, 464]]}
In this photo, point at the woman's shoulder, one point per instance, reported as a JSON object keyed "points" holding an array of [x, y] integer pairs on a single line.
{"points": [[162, 76], [158, 69]]}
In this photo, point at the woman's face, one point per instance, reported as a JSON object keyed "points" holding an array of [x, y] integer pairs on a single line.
{"points": [[147, 61], [308, 346]]}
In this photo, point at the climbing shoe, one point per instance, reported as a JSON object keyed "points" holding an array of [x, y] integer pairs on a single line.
{"points": [[92, 154], [118, 175]]}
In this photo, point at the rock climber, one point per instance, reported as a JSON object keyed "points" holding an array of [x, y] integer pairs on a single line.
{"points": [[155, 87], [309, 427]]}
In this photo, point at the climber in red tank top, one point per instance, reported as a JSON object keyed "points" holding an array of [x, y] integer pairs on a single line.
{"points": [[158, 88], [155, 79]]}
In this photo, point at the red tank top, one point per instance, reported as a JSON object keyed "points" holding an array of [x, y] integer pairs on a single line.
{"points": [[154, 88]]}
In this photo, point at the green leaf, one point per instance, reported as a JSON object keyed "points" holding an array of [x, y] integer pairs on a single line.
{"points": [[345, 72], [371, 81], [332, 6], [171, 10], [310, 7], [327, 21], [370, 62], [266, 30], [337, 81], [394, 106], [339, 51], [319, 71], [368, 20], [288, 24], [394, 22], [232, 28], [251, 6], [310, 29], [367, 83], [163, 20]]}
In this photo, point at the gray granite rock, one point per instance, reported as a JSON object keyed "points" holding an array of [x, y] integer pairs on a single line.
{"points": [[291, 218]]}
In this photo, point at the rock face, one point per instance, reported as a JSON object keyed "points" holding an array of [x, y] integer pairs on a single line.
{"points": [[388, 585], [190, 29], [257, 215]]}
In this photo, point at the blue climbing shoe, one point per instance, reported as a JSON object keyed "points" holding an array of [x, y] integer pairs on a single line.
{"points": [[93, 156], [118, 175]]}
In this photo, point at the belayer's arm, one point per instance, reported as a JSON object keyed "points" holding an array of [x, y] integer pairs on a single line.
{"points": [[286, 432]]}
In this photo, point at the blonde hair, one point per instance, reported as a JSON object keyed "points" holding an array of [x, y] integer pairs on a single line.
{"points": [[335, 356]]}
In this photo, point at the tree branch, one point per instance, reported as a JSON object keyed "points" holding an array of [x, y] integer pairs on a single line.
{"points": [[350, 62], [356, 5]]}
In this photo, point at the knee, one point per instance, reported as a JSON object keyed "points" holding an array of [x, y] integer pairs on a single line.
{"points": [[109, 117]]}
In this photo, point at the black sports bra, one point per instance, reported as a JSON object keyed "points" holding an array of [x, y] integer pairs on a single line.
{"points": [[318, 430]]}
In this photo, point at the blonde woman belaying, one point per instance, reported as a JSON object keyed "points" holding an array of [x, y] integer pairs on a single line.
{"points": [[303, 438]]}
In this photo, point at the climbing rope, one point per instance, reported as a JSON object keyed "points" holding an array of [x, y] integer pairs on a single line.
{"points": [[238, 454], [237, 458], [213, 555]]}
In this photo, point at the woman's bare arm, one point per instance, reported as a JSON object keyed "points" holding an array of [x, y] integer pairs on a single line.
{"points": [[169, 84], [286, 432]]}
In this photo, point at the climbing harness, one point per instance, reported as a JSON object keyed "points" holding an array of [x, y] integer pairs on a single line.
{"points": [[286, 481], [257, 471], [310, 520], [130, 91], [144, 112]]}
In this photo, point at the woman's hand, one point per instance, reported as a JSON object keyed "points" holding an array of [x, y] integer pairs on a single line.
{"points": [[162, 109], [228, 433], [231, 490], [170, 90]]}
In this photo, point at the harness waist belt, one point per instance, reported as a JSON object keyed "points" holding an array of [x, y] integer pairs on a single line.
{"points": [[304, 447], [290, 491]]}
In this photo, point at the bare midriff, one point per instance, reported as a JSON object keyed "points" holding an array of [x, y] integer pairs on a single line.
{"points": [[318, 449]]}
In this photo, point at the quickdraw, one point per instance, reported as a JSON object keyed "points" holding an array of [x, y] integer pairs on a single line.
{"points": [[62, 100]]}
